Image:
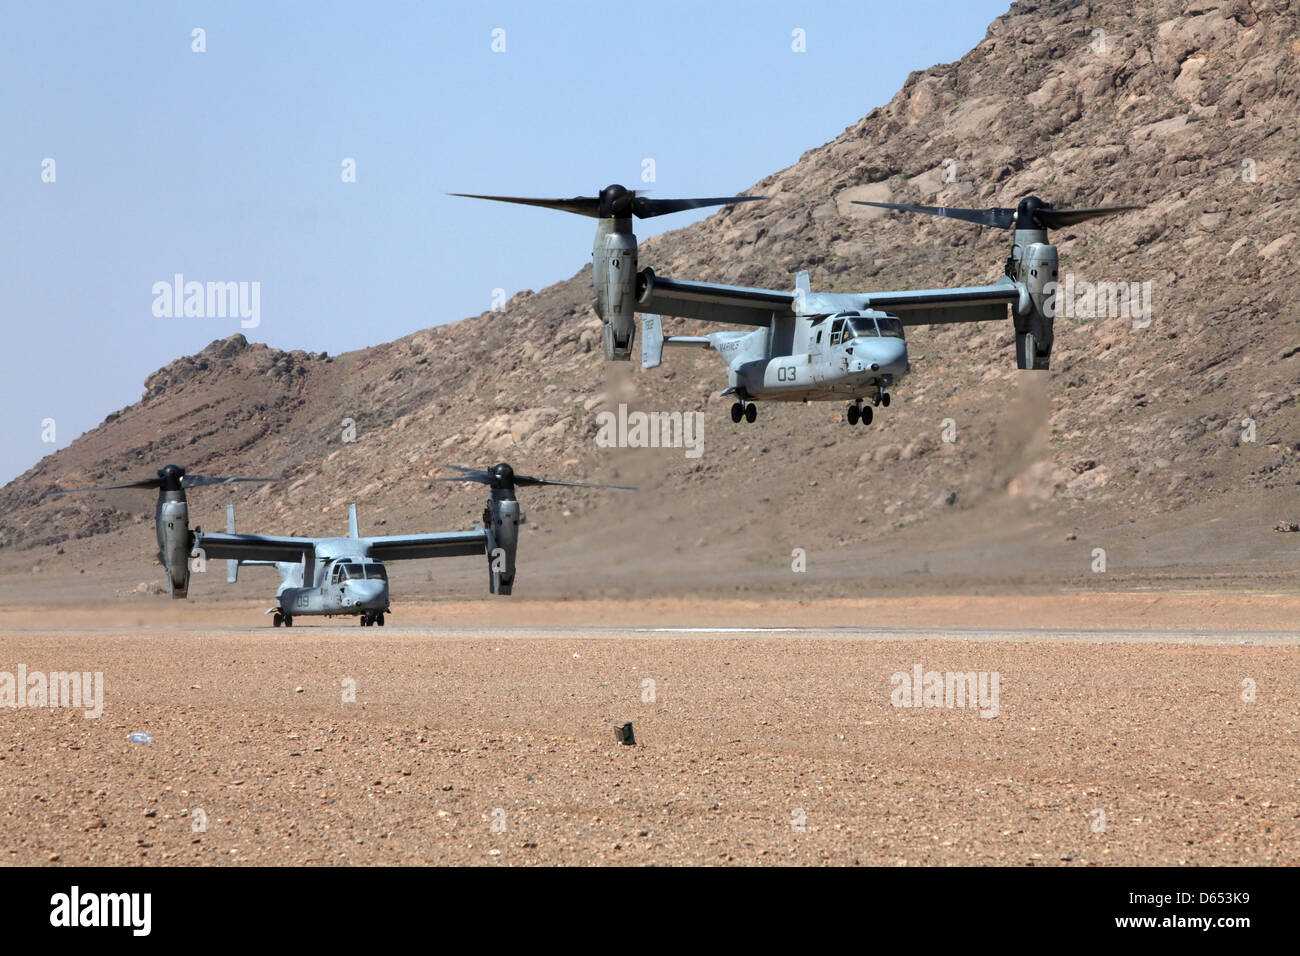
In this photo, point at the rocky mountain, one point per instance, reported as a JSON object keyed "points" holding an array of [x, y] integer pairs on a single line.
{"points": [[1173, 443]]}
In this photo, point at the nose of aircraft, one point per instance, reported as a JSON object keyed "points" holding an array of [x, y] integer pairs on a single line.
{"points": [[883, 356], [367, 593]]}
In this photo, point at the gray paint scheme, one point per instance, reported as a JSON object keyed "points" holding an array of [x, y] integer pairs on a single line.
{"points": [[344, 575], [787, 357], [312, 582]]}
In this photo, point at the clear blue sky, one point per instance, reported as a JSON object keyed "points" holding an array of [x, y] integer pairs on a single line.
{"points": [[225, 165]]}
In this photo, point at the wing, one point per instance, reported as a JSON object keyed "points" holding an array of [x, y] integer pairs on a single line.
{"points": [[741, 305], [710, 302], [448, 544], [979, 303], [253, 547]]}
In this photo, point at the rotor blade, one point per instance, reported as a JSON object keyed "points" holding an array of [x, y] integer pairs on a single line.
{"points": [[529, 480], [481, 481], [581, 205], [644, 208], [476, 474], [1056, 218], [999, 218], [143, 483], [197, 481]]}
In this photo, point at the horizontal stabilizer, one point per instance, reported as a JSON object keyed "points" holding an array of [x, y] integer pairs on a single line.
{"points": [[653, 341]]}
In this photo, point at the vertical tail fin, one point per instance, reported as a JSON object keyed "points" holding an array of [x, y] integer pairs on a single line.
{"points": [[232, 566], [352, 522], [652, 341], [802, 286]]}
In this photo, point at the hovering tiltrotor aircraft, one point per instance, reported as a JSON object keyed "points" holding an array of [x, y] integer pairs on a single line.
{"points": [[329, 576], [814, 346]]}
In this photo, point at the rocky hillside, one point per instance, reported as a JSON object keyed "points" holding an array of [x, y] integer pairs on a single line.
{"points": [[1176, 444]]}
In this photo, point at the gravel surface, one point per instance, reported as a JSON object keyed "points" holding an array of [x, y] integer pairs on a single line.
{"points": [[495, 747]]}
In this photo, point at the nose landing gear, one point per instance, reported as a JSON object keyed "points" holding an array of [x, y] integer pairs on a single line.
{"points": [[371, 618]]}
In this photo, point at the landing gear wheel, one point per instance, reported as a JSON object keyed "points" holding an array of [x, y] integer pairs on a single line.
{"points": [[884, 399], [866, 414], [277, 620], [288, 621], [737, 412], [361, 620], [751, 412], [853, 414], [379, 619]]}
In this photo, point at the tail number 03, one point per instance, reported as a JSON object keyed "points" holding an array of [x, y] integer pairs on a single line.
{"points": [[786, 373]]}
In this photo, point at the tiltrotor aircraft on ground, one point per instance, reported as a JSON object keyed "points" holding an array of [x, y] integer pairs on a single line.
{"points": [[805, 345], [329, 576]]}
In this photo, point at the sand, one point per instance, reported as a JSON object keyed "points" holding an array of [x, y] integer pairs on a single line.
{"points": [[493, 743]]}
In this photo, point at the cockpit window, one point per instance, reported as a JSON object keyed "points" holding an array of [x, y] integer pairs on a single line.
{"points": [[837, 331], [890, 327], [869, 328], [349, 570], [865, 327], [376, 571]]}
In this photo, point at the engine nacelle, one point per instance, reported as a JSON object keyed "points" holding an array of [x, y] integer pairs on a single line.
{"points": [[502, 518], [613, 262], [1035, 262], [172, 519]]}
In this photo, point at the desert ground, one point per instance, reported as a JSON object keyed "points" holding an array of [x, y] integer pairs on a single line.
{"points": [[1130, 728]]}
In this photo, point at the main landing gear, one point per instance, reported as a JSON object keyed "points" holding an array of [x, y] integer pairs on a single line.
{"points": [[746, 410], [371, 618], [281, 618], [858, 412]]}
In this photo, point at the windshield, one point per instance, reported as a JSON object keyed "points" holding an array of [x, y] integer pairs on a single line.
{"points": [[868, 328], [864, 327], [890, 327], [376, 571]]}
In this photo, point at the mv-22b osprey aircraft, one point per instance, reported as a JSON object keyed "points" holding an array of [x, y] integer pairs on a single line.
{"points": [[329, 576], [813, 346]]}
